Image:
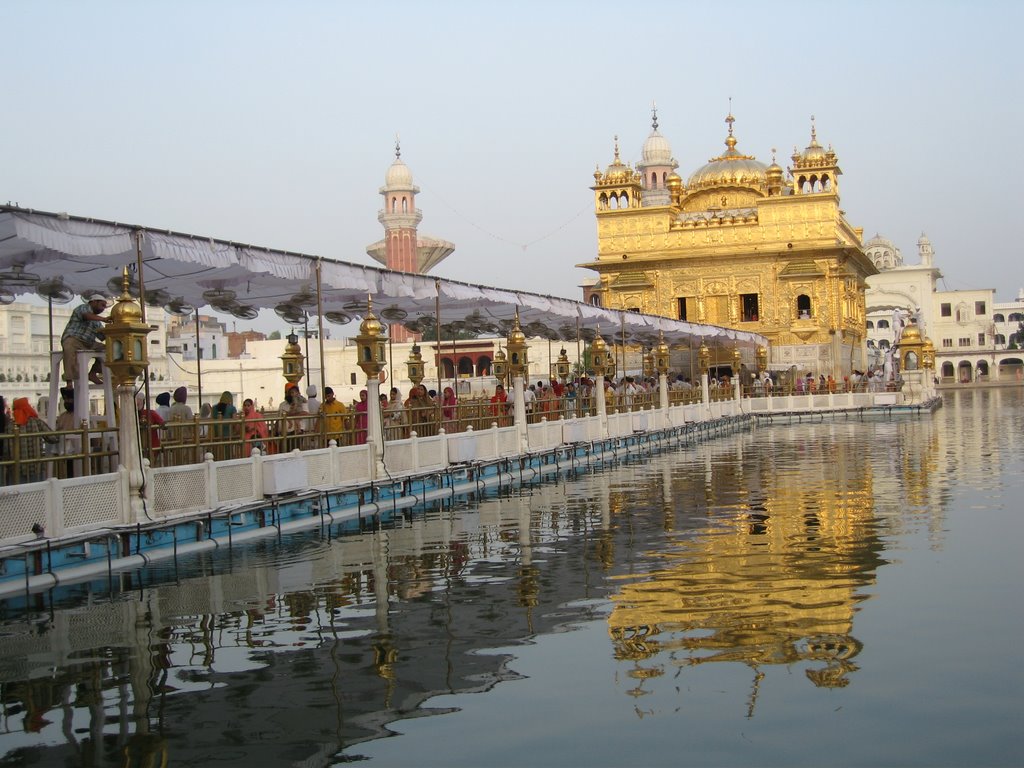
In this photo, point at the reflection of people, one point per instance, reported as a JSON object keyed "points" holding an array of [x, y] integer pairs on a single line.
{"points": [[82, 333]]}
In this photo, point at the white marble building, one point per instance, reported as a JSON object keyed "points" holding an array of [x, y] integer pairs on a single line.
{"points": [[972, 333]]}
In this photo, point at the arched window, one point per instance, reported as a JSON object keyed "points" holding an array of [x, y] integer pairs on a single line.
{"points": [[998, 318], [870, 326], [654, 180], [602, 202], [447, 368], [883, 344], [465, 366], [947, 370], [803, 306], [1000, 338], [405, 205], [883, 324], [1016, 317], [623, 200], [483, 366], [394, 205], [595, 300]]}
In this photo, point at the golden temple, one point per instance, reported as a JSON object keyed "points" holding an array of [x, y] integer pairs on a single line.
{"points": [[740, 244]]}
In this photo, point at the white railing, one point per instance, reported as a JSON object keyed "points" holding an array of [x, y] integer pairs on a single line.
{"points": [[78, 505]]}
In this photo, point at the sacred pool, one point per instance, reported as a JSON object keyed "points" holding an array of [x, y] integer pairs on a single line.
{"points": [[833, 590]]}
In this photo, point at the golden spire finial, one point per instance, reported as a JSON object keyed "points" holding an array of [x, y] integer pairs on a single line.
{"points": [[616, 160], [814, 133]]}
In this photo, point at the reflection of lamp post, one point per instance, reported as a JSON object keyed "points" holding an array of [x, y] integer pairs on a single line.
{"points": [[292, 359], [371, 343], [762, 358], [127, 359], [415, 364]]}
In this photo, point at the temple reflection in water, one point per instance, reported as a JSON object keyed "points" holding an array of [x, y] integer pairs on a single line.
{"points": [[755, 548]]}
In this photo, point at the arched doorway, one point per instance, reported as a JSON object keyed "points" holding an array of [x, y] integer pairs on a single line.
{"points": [[965, 372], [982, 371], [1011, 368], [947, 371]]}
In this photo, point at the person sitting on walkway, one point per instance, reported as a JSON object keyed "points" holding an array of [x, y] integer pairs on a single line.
{"points": [[83, 333]]}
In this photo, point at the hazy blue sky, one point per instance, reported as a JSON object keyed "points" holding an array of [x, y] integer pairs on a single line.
{"points": [[274, 123]]}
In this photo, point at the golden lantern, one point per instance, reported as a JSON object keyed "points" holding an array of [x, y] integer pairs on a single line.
{"points": [[599, 355], [415, 364], [292, 359], [562, 366], [911, 348], [127, 355], [371, 343], [928, 354], [648, 364], [704, 358], [661, 356], [762, 357], [517, 350], [500, 365], [737, 359]]}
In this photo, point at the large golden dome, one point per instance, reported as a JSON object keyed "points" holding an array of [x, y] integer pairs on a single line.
{"points": [[730, 169]]}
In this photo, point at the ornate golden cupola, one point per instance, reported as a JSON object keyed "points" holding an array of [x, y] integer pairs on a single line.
{"points": [[618, 188], [816, 169]]}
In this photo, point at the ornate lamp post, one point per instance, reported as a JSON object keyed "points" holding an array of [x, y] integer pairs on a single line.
{"points": [[415, 365], [737, 362], [704, 362], [499, 366], [371, 348], [648, 364], [704, 359], [518, 366], [762, 358], [928, 363], [562, 366], [127, 359], [292, 360], [661, 355], [600, 359]]}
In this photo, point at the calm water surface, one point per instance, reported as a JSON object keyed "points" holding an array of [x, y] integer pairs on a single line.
{"points": [[828, 593]]}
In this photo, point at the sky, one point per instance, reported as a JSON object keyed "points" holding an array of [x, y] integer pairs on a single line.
{"points": [[274, 123]]}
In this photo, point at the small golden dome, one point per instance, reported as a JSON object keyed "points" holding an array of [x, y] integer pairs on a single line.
{"points": [[731, 168], [910, 334], [126, 311]]}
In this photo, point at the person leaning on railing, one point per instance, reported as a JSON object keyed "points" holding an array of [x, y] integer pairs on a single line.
{"points": [[335, 416]]}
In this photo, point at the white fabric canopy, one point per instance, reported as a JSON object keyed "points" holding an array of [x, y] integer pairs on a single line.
{"points": [[88, 256]]}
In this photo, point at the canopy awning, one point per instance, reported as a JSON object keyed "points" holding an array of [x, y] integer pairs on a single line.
{"points": [[53, 254]]}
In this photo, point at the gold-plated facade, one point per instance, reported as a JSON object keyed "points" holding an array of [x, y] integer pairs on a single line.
{"points": [[127, 356], [740, 245]]}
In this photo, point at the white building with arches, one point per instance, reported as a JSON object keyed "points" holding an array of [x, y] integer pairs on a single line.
{"points": [[975, 337]]}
